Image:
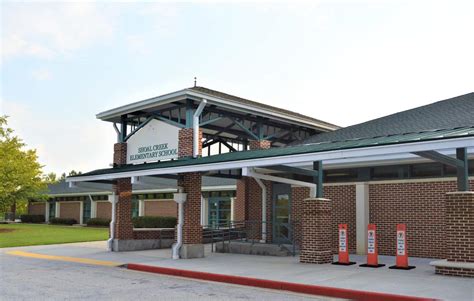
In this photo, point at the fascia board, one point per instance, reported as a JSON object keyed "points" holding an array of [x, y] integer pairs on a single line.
{"points": [[362, 153], [142, 105]]}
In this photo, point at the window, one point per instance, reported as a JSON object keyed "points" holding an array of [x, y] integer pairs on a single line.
{"points": [[86, 211], [219, 211], [135, 204], [426, 170]]}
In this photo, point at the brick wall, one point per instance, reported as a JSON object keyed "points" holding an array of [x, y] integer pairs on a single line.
{"points": [[161, 208], [316, 244], [104, 210], [37, 208], [240, 209], [70, 210], [343, 202], [419, 205], [298, 194]]}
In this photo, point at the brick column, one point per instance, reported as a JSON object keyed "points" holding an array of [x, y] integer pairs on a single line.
{"points": [[123, 189], [185, 143], [191, 184], [248, 200], [459, 236], [316, 231], [192, 229]]}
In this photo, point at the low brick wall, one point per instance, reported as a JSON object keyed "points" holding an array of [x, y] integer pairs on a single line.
{"points": [[167, 233]]}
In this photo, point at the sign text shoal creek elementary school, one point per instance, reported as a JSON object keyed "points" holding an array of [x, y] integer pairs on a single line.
{"points": [[153, 152]]}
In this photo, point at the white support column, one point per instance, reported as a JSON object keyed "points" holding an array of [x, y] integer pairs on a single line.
{"points": [[46, 211], [204, 211], [81, 212], [362, 217], [93, 209], [57, 211], [141, 207], [232, 211]]}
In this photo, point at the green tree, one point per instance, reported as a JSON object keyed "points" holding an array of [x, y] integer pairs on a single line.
{"points": [[20, 172]]}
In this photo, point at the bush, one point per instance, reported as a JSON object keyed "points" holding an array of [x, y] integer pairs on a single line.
{"points": [[62, 221], [32, 218], [98, 222], [154, 222]]}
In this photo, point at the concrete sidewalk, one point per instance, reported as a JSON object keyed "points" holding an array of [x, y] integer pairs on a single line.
{"points": [[420, 282]]}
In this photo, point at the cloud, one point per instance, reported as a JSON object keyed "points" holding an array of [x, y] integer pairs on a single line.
{"points": [[41, 74], [62, 144], [45, 30]]}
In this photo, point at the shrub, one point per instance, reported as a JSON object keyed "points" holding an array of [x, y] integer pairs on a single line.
{"points": [[98, 222], [32, 218], [63, 221], [154, 222]]}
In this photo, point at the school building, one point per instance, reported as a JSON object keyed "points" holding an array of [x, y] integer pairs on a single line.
{"points": [[283, 179]]}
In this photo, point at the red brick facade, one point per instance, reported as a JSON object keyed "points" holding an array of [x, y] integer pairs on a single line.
{"points": [[120, 153], [123, 212], [192, 229], [343, 205], [447, 271], [161, 208], [419, 205], [153, 234], [317, 231], [37, 208], [298, 195], [104, 210], [185, 143], [70, 210]]}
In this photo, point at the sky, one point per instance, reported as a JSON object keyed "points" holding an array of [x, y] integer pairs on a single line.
{"points": [[343, 62]]}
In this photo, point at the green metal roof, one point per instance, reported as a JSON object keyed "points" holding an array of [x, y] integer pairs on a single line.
{"points": [[295, 150], [450, 113]]}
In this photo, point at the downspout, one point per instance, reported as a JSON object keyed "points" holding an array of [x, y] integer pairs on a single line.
{"points": [[179, 198], [264, 208], [110, 242], [196, 128]]}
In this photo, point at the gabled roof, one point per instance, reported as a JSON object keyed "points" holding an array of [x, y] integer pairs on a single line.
{"points": [[219, 99], [451, 113], [253, 103]]}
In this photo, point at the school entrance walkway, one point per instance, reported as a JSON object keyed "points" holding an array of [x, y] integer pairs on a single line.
{"points": [[420, 282]]}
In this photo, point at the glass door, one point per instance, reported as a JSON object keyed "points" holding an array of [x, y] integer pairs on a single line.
{"points": [[219, 211], [281, 213]]}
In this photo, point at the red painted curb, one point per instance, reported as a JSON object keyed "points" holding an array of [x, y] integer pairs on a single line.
{"points": [[277, 285]]}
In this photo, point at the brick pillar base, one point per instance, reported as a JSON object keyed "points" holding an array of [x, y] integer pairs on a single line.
{"points": [[316, 231], [459, 236], [192, 229]]}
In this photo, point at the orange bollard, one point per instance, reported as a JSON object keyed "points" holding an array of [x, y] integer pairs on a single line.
{"points": [[402, 254], [343, 255], [372, 252]]}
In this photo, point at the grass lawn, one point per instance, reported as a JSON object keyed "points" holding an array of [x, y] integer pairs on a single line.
{"points": [[16, 235]]}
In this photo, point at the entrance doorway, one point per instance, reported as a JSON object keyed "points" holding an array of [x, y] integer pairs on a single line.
{"points": [[281, 213], [219, 211]]}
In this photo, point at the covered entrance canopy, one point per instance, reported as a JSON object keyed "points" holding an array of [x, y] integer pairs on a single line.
{"points": [[434, 145]]}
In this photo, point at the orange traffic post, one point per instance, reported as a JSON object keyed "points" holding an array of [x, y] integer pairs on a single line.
{"points": [[372, 251], [402, 254], [343, 255]]}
